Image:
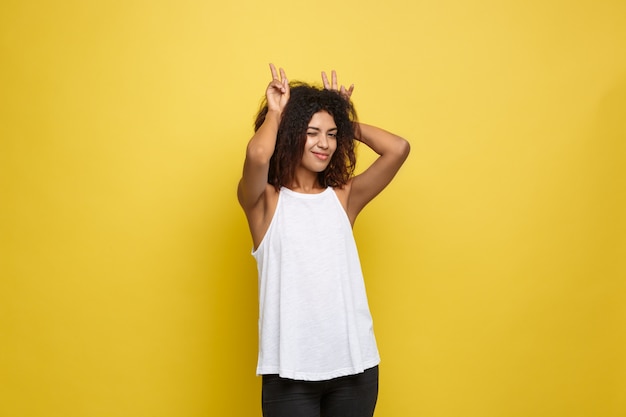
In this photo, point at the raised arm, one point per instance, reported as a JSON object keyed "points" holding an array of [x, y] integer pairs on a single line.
{"points": [[392, 151], [260, 148]]}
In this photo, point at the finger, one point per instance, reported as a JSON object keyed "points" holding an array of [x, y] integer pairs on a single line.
{"points": [[283, 77], [276, 85], [325, 80], [350, 90], [333, 75], [286, 93], [274, 73]]}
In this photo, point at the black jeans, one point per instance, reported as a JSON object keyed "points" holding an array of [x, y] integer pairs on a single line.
{"points": [[346, 396]]}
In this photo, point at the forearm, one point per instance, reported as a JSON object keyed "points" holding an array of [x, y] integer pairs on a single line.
{"points": [[382, 142], [261, 146]]}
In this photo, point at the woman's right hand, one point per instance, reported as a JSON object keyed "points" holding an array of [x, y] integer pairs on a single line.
{"points": [[277, 91]]}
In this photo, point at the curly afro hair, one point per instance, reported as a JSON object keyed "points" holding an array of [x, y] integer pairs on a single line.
{"points": [[305, 100]]}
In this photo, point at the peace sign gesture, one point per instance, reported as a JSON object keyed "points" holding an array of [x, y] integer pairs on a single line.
{"points": [[333, 85], [277, 91]]}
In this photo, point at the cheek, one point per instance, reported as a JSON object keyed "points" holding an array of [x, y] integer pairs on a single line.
{"points": [[333, 146], [310, 142]]}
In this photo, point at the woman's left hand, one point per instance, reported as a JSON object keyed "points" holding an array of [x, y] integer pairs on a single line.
{"points": [[345, 93]]}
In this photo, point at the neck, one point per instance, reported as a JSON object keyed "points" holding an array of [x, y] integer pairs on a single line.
{"points": [[306, 182]]}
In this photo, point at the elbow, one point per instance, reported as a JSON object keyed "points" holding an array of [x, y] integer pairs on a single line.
{"points": [[259, 154], [403, 148]]}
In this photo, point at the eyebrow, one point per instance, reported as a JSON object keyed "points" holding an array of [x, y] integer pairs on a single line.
{"points": [[318, 129]]}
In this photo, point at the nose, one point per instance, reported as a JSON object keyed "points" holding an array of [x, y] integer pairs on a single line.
{"points": [[322, 143]]}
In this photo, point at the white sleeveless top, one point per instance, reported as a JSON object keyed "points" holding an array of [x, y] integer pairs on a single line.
{"points": [[314, 320]]}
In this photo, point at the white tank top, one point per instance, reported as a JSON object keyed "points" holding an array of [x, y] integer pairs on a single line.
{"points": [[314, 320]]}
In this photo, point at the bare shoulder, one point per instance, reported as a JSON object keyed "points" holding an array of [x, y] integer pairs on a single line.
{"points": [[271, 199], [260, 215], [343, 194]]}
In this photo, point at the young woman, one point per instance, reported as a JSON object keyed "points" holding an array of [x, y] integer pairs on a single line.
{"points": [[317, 351]]}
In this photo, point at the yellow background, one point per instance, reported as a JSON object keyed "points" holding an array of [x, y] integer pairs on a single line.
{"points": [[495, 263]]}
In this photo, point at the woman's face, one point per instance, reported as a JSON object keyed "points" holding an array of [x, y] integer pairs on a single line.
{"points": [[321, 142]]}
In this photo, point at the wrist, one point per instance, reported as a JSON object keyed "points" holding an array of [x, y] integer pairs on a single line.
{"points": [[274, 112], [274, 115]]}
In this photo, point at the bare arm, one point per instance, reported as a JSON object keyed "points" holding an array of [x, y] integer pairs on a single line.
{"points": [[260, 148], [392, 150]]}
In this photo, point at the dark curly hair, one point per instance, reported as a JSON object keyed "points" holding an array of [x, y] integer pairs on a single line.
{"points": [[304, 101]]}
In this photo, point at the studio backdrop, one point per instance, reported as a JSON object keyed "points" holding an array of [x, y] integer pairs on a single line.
{"points": [[495, 263]]}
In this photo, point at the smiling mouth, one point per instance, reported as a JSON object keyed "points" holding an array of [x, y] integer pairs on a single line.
{"points": [[321, 156]]}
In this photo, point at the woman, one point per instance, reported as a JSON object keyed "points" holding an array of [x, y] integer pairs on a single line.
{"points": [[317, 351]]}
